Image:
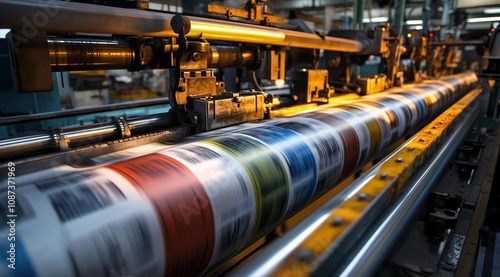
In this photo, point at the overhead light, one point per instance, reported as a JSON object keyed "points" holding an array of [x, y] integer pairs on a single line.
{"points": [[483, 19], [375, 19], [415, 27], [414, 22], [491, 10]]}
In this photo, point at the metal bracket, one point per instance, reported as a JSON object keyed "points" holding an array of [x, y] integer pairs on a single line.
{"points": [[254, 10], [443, 212], [123, 127]]}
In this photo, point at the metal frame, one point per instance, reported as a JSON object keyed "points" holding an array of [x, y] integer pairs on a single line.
{"points": [[30, 16]]}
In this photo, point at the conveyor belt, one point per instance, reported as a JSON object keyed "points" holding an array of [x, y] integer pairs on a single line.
{"points": [[186, 209]]}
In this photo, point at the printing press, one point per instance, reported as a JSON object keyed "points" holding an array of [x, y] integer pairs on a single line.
{"points": [[137, 139]]}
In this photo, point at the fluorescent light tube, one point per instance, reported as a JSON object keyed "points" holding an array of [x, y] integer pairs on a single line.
{"points": [[414, 22], [375, 19], [483, 19]]}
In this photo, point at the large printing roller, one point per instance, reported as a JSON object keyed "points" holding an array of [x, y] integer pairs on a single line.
{"points": [[187, 208]]}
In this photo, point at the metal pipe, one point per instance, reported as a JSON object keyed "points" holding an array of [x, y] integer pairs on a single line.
{"points": [[359, 9], [399, 10], [233, 56], [451, 21], [81, 111], [31, 16], [79, 54], [382, 236], [143, 125], [64, 139], [86, 135], [29, 144], [426, 12], [213, 29], [445, 20]]}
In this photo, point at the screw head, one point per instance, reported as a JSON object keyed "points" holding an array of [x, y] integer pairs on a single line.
{"points": [[399, 160]]}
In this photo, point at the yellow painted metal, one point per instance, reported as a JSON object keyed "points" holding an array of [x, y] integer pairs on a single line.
{"points": [[388, 182], [307, 108]]}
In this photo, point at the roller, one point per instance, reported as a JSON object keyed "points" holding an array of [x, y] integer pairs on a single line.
{"points": [[32, 15], [186, 209]]}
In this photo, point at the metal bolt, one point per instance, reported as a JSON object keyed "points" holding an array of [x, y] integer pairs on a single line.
{"points": [[421, 140], [399, 160], [383, 176], [434, 127], [196, 56], [441, 122], [337, 221], [362, 196], [411, 149], [304, 255]]}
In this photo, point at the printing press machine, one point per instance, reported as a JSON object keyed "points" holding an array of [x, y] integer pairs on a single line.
{"points": [[268, 157]]}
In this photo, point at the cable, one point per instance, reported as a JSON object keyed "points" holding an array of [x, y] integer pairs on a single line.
{"points": [[255, 82]]}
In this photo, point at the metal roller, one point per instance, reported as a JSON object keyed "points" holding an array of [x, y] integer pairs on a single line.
{"points": [[71, 137], [353, 232], [93, 54], [233, 56], [31, 15], [187, 209]]}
